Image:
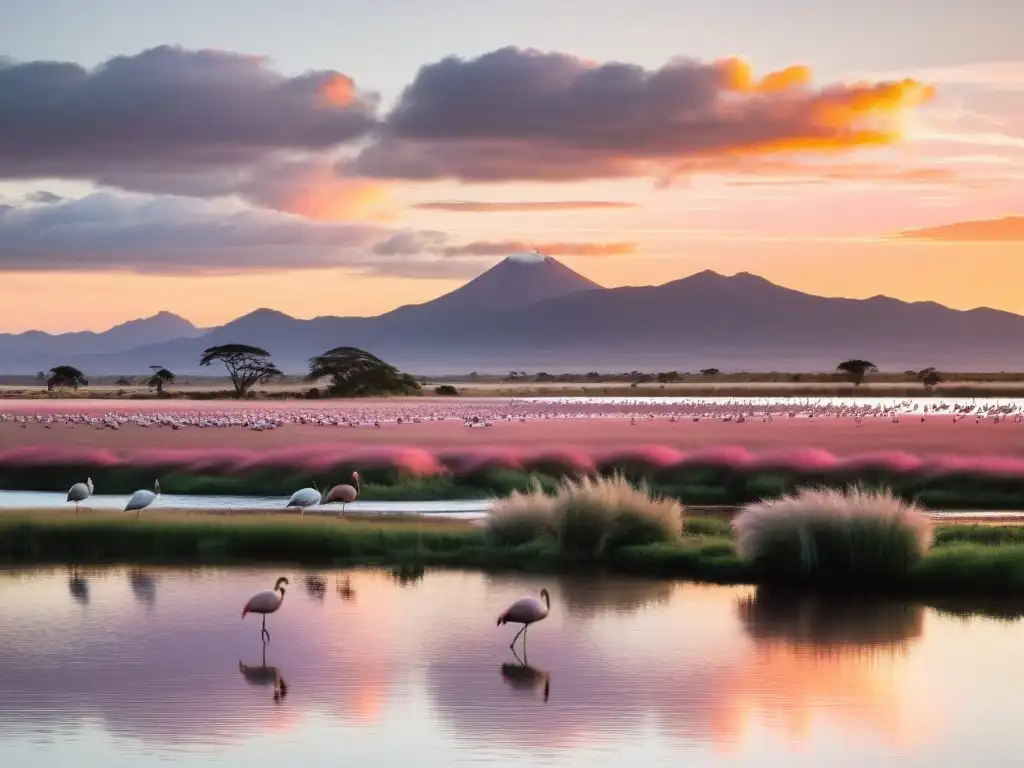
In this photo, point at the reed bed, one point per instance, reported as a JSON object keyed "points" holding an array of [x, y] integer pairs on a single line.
{"points": [[720, 476], [587, 516], [965, 561], [827, 535]]}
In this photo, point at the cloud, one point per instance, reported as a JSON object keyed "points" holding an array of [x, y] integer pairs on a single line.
{"points": [[540, 206], [170, 120], [42, 197], [179, 235], [1008, 229], [516, 114], [506, 247]]}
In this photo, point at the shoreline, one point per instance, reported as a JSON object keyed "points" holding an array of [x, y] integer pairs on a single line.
{"points": [[978, 561]]}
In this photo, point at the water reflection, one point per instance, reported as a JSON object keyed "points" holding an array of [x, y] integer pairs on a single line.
{"points": [[679, 670], [143, 586], [316, 586], [78, 587], [343, 586], [830, 621], [263, 675], [589, 595], [408, 575], [522, 677]]}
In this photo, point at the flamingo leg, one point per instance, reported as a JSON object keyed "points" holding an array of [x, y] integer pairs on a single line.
{"points": [[264, 633], [512, 645]]}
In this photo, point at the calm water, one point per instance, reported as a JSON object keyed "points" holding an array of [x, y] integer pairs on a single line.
{"points": [[154, 667], [471, 509]]}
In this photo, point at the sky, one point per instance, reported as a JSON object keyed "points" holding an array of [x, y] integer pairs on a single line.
{"points": [[339, 158]]}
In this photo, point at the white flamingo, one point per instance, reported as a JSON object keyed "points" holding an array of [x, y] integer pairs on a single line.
{"points": [[525, 611], [79, 492], [305, 497], [266, 602], [344, 493], [142, 499]]}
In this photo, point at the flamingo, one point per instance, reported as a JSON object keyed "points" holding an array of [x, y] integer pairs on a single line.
{"points": [[344, 493], [79, 492], [266, 602], [305, 497], [525, 611], [142, 499]]}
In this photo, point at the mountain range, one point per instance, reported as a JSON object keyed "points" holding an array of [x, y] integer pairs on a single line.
{"points": [[531, 312]]}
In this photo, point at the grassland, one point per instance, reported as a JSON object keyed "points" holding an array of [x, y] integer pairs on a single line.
{"points": [[982, 561], [741, 384]]}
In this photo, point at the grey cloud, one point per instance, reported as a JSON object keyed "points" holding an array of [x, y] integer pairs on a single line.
{"points": [[178, 235], [519, 206], [516, 114], [166, 115]]}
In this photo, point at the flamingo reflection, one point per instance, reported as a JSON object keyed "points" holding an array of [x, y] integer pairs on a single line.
{"points": [[78, 587], [344, 589], [316, 586], [523, 677], [143, 585], [263, 675]]}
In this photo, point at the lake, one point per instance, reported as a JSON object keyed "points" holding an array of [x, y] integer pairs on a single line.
{"points": [[369, 667]]}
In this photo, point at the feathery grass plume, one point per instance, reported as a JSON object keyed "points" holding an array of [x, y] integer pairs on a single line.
{"points": [[521, 517], [596, 515], [848, 537]]}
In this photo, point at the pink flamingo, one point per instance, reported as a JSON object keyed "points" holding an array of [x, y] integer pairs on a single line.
{"points": [[266, 602], [344, 493], [526, 611]]}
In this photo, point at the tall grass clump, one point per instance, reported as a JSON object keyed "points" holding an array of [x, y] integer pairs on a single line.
{"points": [[596, 515], [588, 516], [851, 537], [521, 516]]}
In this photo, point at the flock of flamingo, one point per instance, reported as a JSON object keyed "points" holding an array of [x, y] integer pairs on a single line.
{"points": [[484, 413], [526, 610], [301, 499]]}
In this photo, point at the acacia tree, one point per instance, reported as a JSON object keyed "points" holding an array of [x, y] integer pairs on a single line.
{"points": [[66, 376], [929, 378], [354, 372], [160, 377], [247, 366], [857, 370]]}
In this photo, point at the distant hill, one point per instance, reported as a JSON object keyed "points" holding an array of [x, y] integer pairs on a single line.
{"points": [[532, 313], [44, 350]]}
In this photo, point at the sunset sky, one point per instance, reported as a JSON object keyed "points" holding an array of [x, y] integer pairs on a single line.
{"points": [[332, 157]]}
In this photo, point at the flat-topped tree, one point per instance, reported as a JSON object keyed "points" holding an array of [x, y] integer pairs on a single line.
{"points": [[247, 366], [857, 370], [66, 376], [160, 377], [354, 372]]}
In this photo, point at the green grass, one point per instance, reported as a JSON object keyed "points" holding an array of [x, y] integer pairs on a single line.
{"points": [[965, 561]]}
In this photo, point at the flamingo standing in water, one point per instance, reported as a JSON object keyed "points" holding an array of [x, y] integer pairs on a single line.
{"points": [[79, 492], [525, 611], [266, 602], [344, 493], [142, 499]]}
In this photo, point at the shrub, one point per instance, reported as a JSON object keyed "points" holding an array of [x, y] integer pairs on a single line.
{"points": [[446, 390], [589, 517], [844, 537], [596, 515], [521, 517]]}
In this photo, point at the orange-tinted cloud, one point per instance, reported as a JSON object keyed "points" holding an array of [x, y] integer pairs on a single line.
{"points": [[561, 118], [1008, 229], [466, 206], [505, 247]]}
